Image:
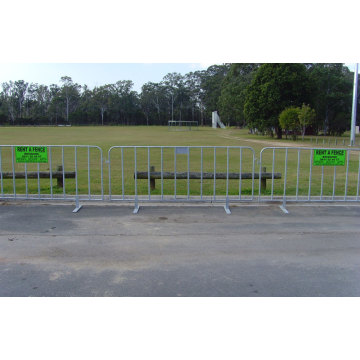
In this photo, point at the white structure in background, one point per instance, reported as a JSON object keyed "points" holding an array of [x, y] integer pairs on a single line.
{"points": [[216, 120]]}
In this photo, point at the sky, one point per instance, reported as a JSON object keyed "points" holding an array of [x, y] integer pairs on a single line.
{"points": [[94, 74]]}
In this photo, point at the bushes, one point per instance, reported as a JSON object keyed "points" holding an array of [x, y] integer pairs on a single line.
{"points": [[289, 121], [295, 119]]}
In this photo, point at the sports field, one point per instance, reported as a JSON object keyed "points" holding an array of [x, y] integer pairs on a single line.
{"points": [[298, 171]]}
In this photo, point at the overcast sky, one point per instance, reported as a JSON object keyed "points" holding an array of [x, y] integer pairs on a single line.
{"points": [[93, 74]]}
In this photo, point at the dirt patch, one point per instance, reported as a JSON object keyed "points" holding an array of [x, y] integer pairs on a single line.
{"points": [[264, 142]]}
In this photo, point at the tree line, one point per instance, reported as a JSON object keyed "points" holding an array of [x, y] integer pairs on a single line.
{"points": [[251, 95]]}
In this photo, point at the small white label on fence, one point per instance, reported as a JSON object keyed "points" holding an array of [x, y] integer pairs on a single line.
{"points": [[182, 150]]}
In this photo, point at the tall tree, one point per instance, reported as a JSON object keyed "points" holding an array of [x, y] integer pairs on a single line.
{"points": [[196, 94], [70, 92], [331, 94], [55, 103], [274, 88], [20, 93], [172, 82], [233, 91], [9, 100], [101, 98], [211, 84]]}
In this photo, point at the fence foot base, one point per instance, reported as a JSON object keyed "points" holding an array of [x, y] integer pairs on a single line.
{"points": [[136, 209], [78, 207], [227, 210], [226, 206], [283, 208]]}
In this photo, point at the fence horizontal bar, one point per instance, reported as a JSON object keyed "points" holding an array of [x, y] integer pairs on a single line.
{"points": [[41, 175], [173, 147], [205, 175]]}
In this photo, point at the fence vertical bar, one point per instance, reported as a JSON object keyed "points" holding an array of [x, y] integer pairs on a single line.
{"points": [[283, 207], [358, 181], [272, 175], [13, 170], [162, 173], [77, 206], [322, 182], [260, 175], [253, 177], [214, 173], [63, 170], [26, 181], [38, 179], [109, 171], [89, 186], [175, 173], [240, 174], [347, 174], [136, 205], [310, 174], [201, 175], [227, 171], [76, 174], [101, 174], [334, 181], [148, 161], [50, 166], [1, 175], [188, 173], [122, 174], [297, 175], [135, 173]]}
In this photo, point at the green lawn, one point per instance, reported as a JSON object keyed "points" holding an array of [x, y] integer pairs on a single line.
{"points": [[105, 137]]}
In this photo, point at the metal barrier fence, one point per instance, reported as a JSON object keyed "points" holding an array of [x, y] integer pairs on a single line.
{"points": [[332, 141], [78, 170], [213, 174], [305, 182], [186, 174]]}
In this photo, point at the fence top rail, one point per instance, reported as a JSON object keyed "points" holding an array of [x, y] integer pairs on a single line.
{"points": [[174, 147], [304, 148], [83, 146], [182, 146]]}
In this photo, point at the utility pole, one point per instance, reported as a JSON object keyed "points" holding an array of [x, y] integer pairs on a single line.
{"points": [[353, 114]]}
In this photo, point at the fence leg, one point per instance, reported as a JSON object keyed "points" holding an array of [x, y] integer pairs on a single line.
{"points": [[283, 206], [137, 207], [77, 204], [226, 206]]}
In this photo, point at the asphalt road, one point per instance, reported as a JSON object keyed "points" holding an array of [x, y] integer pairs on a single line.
{"points": [[46, 250]]}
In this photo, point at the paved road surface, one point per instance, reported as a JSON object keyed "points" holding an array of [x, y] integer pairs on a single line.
{"points": [[46, 250]]}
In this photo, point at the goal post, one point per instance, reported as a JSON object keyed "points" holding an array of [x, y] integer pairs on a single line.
{"points": [[182, 125]]}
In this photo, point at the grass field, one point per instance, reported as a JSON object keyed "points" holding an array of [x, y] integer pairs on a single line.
{"points": [[105, 137]]}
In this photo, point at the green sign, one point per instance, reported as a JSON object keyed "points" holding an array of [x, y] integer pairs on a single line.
{"points": [[329, 157], [31, 154]]}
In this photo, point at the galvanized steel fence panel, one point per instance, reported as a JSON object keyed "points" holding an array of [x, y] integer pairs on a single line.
{"points": [[303, 182], [182, 173], [78, 170]]}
